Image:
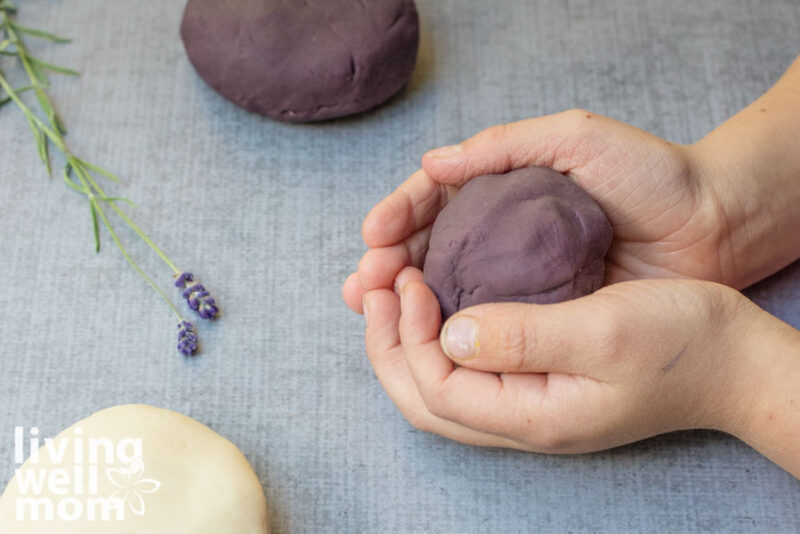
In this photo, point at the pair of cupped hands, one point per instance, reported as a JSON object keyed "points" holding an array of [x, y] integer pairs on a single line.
{"points": [[668, 343]]}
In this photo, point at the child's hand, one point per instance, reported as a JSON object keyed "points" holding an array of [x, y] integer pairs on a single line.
{"points": [[630, 361], [667, 222], [633, 359]]}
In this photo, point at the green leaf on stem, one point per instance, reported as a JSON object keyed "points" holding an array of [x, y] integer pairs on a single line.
{"points": [[118, 199], [53, 68], [41, 145], [44, 152], [41, 34], [67, 175], [37, 75], [8, 99], [95, 225], [111, 176]]}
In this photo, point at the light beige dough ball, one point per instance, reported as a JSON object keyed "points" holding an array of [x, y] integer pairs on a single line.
{"points": [[133, 469]]}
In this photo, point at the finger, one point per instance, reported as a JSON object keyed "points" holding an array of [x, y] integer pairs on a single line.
{"points": [[382, 309], [386, 356], [485, 402], [405, 276], [411, 207], [571, 337], [379, 266], [554, 141], [353, 293]]}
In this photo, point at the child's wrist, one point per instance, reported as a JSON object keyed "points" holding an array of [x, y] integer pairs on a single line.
{"points": [[730, 347], [767, 413], [712, 180], [751, 166], [756, 203]]}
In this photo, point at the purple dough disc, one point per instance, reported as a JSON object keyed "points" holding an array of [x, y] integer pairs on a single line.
{"points": [[531, 235], [303, 60]]}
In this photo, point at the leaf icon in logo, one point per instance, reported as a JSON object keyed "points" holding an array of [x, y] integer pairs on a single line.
{"points": [[131, 485]]}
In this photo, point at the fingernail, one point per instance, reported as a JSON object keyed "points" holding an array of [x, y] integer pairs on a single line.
{"points": [[364, 305], [460, 340], [445, 152]]}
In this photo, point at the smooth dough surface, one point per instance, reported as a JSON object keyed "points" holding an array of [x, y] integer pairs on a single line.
{"points": [[191, 479], [303, 60], [530, 235]]}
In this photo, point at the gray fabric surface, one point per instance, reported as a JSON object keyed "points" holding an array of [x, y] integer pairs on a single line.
{"points": [[268, 216]]}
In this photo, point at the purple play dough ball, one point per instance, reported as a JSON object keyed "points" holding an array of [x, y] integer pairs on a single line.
{"points": [[531, 235], [303, 60]]}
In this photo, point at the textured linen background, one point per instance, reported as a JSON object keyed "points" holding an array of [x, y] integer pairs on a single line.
{"points": [[268, 216]]}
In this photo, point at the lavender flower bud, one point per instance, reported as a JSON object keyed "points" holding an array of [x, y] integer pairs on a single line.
{"points": [[187, 338], [182, 279], [197, 297], [208, 308]]}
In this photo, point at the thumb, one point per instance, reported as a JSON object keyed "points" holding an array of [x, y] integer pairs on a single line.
{"points": [[571, 337], [553, 141]]}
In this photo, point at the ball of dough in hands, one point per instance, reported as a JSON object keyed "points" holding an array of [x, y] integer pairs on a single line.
{"points": [[530, 235]]}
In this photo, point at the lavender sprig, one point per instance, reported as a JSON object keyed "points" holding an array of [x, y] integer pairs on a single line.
{"points": [[52, 132], [196, 296], [187, 339]]}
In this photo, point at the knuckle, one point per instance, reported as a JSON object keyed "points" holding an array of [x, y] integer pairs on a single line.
{"points": [[438, 399], [372, 355], [419, 419], [436, 403], [515, 339], [577, 114], [551, 437], [366, 268], [493, 134], [718, 304], [578, 119], [611, 334]]}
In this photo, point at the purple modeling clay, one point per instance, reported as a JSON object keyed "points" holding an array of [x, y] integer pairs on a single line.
{"points": [[303, 60], [531, 235]]}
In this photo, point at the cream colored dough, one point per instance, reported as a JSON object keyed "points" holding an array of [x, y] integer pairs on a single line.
{"points": [[188, 479]]}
